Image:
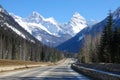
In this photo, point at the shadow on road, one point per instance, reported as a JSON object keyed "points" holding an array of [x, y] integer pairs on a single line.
{"points": [[44, 78]]}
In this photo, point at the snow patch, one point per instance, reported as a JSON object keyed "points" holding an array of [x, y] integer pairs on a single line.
{"points": [[39, 38], [39, 26], [81, 37], [21, 23], [15, 30], [52, 20]]}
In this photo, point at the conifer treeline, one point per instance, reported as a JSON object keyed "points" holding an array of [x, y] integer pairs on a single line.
{"points": [[109, 48], [13, 46], [102, 49]]}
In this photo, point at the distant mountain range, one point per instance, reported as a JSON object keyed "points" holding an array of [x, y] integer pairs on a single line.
{"points": [[48, 30], [74, 44]]}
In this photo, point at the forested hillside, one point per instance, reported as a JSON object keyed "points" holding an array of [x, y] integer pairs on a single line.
{"points": [[103, 47], [74, 44], [18, 44]]}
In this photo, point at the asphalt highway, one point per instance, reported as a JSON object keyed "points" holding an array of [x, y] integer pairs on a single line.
{"points": [[56, 72]]}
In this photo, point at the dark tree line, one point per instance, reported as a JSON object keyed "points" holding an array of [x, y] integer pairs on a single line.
{"points": [[115, 56], [109, 48], [104, 47]]}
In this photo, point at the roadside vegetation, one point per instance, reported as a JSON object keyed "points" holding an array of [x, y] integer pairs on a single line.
{"points": [[15, 47], [103, 47], [19, 62]]}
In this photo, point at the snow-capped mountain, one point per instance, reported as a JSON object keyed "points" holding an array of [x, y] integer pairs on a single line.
{"points": [[48, 30], [48, 24], [76, 24], [7, 23], [74, 44]]}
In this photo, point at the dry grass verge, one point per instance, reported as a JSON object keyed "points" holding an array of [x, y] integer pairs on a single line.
{"points": [[8, 65], [19, 62]]}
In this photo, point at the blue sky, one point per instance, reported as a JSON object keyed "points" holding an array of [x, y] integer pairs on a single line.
{"points": [[62, 10]]}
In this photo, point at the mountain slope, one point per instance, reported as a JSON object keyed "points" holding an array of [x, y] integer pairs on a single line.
{"points": [[17, 44], [48, 30], [74, 44], [9, 22], [75, 25]]}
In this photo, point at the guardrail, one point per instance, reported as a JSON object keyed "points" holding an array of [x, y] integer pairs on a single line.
{"points": [[94, 73]]}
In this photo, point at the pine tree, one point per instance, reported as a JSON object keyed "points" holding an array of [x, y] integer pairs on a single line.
{"points": [[116, 46], [42, 54], [118, 54], [106, 40]]}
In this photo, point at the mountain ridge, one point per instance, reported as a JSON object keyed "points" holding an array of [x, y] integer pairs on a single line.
{"points": [[74, 44], [49, 30]]}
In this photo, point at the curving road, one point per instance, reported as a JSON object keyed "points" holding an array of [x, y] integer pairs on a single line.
{"points": [[58, 72]]}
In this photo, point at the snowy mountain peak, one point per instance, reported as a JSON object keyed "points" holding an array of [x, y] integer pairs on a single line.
{"points": [[77, 15], [48, 30], [116, 14], [35, 17], [36, 14], [77, 23]]}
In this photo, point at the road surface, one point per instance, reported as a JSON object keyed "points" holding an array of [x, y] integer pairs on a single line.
{"points": [[57, 72]]}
